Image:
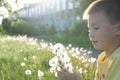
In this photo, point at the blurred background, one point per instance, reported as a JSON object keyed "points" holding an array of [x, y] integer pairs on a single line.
{"points": [[29, 31], [51, 20]]}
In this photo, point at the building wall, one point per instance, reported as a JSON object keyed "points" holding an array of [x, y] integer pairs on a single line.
{"points": [[59, 13]]}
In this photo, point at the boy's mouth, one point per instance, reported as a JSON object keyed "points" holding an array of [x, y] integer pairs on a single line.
{"points": [[94, 42]]}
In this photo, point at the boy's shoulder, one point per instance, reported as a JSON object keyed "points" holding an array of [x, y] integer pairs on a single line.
{"points": [[115, 56], [116, 53]]}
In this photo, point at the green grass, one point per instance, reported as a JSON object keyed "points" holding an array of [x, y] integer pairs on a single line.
{"points": [[80, 41], [15, 50], [12, 54]]}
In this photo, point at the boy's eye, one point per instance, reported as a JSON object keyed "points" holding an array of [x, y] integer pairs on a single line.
{"points": [[96, 28]]}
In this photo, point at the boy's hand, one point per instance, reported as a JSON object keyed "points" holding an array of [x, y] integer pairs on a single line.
{"points": [[65, 75]]}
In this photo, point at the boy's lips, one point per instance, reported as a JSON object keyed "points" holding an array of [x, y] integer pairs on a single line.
{"points": [[94, 42]]}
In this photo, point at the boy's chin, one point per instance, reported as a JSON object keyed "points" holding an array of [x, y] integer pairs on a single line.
{"points": [[97, 48]]}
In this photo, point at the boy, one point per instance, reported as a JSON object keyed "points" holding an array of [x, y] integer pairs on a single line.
{"points": [[104, 32]]}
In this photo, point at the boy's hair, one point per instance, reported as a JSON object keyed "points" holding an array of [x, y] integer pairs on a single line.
{"points": [[111, 8]]}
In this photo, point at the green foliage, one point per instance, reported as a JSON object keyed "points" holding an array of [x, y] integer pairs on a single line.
{"points": [[82, 5], [80, 41], [3, 32], [31, 29], [79, 28], [21, 27], [52, 30], [77, 35], [7, 5], [6, 24]]}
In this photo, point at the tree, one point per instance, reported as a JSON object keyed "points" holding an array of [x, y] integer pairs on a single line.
{"points": [[4, 3], [6, 24], [81, 5]]}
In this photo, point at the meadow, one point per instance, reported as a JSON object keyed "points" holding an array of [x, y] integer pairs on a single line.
{"points": [[26, 58]]}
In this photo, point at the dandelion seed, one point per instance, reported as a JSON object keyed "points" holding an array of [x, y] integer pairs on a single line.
{"points": [[70, 45], [21, 50], [76, 67], [40, 73], [67, 48], [85, 54], [28, 72], [58, 68], [61, 61], [92, 60], [73, 50], [85, 71], [33, 57], [84, 60], [86, 65], [58, 47], [22, 64], [38, 48], [52, 69], [25, 59], [56, 75], [80, 70], [89, 52], [53, 61], [42, 40]]}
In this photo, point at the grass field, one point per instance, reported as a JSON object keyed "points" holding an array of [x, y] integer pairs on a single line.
{"points": [[23, 58]]}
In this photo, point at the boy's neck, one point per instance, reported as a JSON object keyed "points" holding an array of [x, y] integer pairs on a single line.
{"points": [[109, 52]]}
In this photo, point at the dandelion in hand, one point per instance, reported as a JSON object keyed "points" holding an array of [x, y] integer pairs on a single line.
{"points": [[61, 61]]}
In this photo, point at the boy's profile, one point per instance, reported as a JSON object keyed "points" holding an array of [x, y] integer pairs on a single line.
{"points": [[103, 18]]}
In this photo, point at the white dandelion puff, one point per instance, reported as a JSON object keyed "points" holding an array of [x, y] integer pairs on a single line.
{"points": [[28, 72], [22, 64], [40, 73]]}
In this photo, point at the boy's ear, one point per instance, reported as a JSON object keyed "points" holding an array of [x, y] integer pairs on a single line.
{"points": [[117, 29]]}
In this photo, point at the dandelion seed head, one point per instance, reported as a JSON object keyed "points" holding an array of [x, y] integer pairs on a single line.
{"points": [[38, 48], [85, 71], [25, 59], [21, 50], [58, 48], [33, 57], [28, 72], [52, 69], [80, 70], [40, 73], [53, 61], [22, 64], [92, 60], [69, 45], [58, 68], [56, 75]]}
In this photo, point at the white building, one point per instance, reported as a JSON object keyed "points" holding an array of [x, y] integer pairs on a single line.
{"points": [[57, 13]]}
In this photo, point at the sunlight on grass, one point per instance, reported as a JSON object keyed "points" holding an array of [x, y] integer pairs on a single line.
{"points": [[27, 58]]}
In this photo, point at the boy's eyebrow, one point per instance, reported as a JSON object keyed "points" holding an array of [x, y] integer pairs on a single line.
{"points": [[92, 25]]}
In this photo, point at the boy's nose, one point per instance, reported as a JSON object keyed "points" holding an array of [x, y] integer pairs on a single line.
{"points": [[91, 36]]}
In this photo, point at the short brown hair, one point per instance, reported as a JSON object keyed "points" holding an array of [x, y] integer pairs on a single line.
{"points": [[111, 8]]}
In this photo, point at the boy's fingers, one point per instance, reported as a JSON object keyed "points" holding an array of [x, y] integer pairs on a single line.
{"points": [[59, 75]]}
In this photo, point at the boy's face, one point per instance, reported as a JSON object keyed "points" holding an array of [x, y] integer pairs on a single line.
{"points": [[101, 31]]}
